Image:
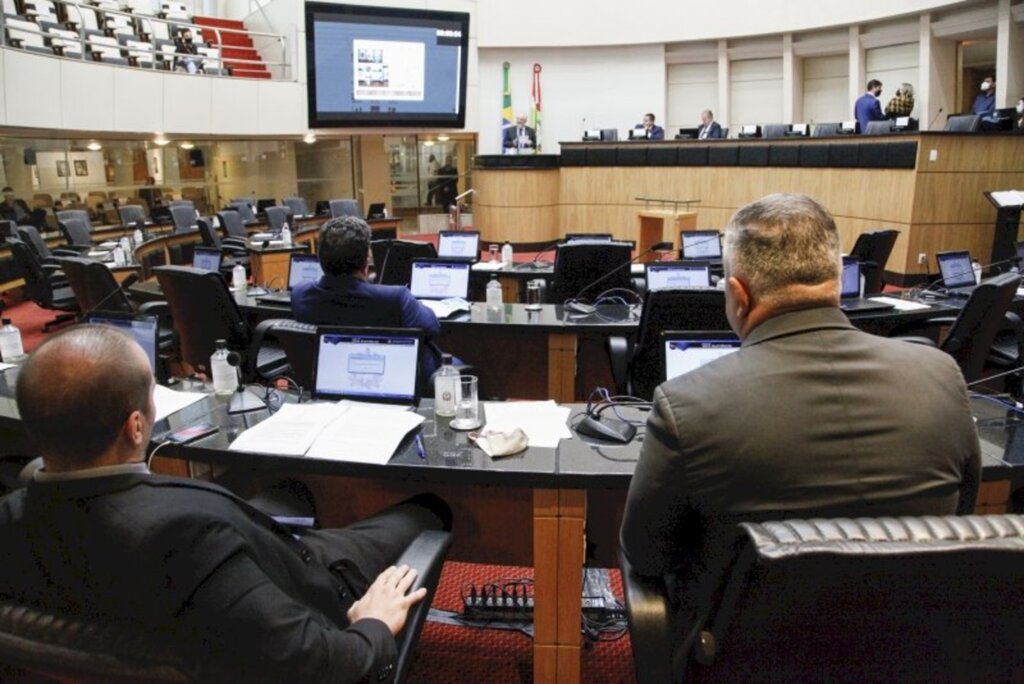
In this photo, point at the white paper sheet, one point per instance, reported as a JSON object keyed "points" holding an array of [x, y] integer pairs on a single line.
{"points": [[364, 434], [544, 422], [901, 304], [169, 401], [290, 431], [488, 266]]}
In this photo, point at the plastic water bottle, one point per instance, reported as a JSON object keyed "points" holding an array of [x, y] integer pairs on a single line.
{"points": [[119, 256], [11, 349], [976, 267], [138, 236], [238, 278], [506, 253], [286, 234], [446, 388], [494, 293], [225, 379]]}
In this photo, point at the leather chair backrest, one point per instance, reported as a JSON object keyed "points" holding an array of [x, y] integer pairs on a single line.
{"points": [[879, 127], [8, 229], [244, 209], [231, 220], [580, 264], [344, 207], [299, 342], [184, 217], [683, 309], [30, 236], [80, 214], [75, 232], [276, 218], [774, 130], [29, 268], [209, 235], [873, 249], [394, 265], [297, 205], [203, 312], [963, 123], [825, 130], [131, 214], [970, 338], [94, 285], [887, 599]]}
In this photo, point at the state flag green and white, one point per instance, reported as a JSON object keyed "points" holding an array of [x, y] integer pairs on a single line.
{"points": [[507, 117], [535, 114]]}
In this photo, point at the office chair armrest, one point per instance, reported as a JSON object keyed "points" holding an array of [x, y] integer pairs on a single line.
{"points": [[160, 309], [263, 331], [426, 555], [650, 624], [234, 242], [66, 252], [620, 353], [917, 339]]}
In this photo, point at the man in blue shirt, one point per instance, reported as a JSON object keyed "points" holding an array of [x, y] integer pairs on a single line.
{"points": [[985, 102], [344, 295], [868, 108]]}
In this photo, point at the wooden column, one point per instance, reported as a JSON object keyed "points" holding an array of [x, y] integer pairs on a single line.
{"points": [[562, 367]]}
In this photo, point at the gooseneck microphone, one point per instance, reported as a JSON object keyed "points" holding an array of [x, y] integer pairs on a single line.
{"points": [[574, 304]]}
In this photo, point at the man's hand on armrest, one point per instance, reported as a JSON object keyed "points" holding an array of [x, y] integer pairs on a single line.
{"points": [[386, 599]]}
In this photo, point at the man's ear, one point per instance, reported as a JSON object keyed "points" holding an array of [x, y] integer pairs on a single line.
{"points": [[135, 428], [741, 299]]}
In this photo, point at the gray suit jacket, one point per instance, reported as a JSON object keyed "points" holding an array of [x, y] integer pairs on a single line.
{"points": [[811, 417]]}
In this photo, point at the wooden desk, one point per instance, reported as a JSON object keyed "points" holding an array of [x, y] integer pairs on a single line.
{"points": [[269, 265]]}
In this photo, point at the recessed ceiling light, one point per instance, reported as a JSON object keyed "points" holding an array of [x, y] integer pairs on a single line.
{"points": [[94, 146], [309, 138], [428, 143], [186, 145], [160, 139], [443, 138]]}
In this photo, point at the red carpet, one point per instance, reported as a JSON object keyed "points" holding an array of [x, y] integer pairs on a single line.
{"points": [[463, 654], [30, 319]]}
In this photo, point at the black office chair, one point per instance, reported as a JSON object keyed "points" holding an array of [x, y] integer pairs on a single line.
{"points": [[774, 130], [184, 217], [8, 229], [605, 237], [344, 207], [132, 215], [297, 205], [872, 250], [244, 209], [72, 647], [963, 123], [935, 598], [637, 367], [879, 127], [79, 214], [183, 203], [277, 217], [578, 265], [235, 234], [76, 234], [44, 285], [204, 311], [392, 259], [825, 130], [971, 333], [299, 342], [31, 237], [233, 253]]}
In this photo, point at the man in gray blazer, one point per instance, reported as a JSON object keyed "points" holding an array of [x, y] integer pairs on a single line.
{"points": [[811, 417]]}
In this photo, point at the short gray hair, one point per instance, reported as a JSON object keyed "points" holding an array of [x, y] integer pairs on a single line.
{"points": [[779, 241]]}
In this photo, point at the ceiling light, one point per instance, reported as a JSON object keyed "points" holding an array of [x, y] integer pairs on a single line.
{"points": [[186, 145], [443, 138], [428, 143], [94, 146], [309, 138], [160, 139]]}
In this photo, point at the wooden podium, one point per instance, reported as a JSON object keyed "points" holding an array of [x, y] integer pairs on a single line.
{"points": [[663, 225]]}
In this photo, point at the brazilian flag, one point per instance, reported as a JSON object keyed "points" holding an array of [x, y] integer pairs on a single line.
{"points": [[506, 103]]}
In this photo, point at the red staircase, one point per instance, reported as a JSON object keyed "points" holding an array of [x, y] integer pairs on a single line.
{"points": [[236, 46]]}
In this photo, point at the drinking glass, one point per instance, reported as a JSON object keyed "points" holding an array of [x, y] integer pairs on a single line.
{"points": [[494, 251], [533, 296], [467, 410]]}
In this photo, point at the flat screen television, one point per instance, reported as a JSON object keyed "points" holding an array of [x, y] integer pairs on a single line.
{"points": [[385, 66]]}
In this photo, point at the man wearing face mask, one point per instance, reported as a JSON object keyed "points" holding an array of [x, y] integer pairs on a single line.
{"points": [[985, 102], [868, 108]]}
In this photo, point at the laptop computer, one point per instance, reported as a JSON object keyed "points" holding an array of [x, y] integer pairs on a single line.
{"points": [[302, 268], [956, 272], [378, 365], [143, 328], [441, 286], [459, 244], [685, 351], [674, 274], [376, 211], [207, 259], [849, 293], [705, 245]]}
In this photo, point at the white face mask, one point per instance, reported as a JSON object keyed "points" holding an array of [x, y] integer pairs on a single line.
{"points": [[985, 86]]}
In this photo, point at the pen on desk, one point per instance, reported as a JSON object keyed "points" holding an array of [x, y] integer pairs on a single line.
{"points": [[419, 447]]}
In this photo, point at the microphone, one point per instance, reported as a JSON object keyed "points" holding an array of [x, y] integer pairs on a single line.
{"points": [[574, 304], [932, 122], [128, 282], [241, 400], [536, 263]]}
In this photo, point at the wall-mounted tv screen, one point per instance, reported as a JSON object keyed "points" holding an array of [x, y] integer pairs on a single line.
{"points": [[383, 66]]}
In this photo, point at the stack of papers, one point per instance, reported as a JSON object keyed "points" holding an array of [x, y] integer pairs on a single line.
{"points": [[169, 401], [544, 422], [1007, 198], [901, 304], [488, 266], [446, 307], [345, 431]]}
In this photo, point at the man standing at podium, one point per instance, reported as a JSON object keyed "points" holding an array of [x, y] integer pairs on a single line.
{"points": [[811, 417], [520, 136]]}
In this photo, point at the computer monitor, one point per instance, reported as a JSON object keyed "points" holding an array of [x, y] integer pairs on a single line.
{"points": [[376, 211], [688, 133], [663, 275], [609, 134], [303, 268], [439, 279], [701, 244], [571, 238], [685, 351], [143, 328], [367, 364], [458, 244], [207, 259], [850, 282], [955, 269], [262, 204]]}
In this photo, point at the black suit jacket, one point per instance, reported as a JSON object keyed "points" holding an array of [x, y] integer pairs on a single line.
{"points": [[194, 561], [511, 133], [714, 131]]}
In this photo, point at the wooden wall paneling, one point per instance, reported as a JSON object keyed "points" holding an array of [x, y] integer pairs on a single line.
{"points": [[517, 205]]}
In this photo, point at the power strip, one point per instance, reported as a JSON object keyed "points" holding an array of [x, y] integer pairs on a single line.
{"points": [[518, 605]]}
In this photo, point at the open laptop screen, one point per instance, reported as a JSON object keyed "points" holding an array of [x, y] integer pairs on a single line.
{"points": [[142, 327], [687, 351], [675, 274], [955, 269], [851, 278], [303, 268], [458, 244], [207, 258], [379, 365], [701, 244], [433, 279]]}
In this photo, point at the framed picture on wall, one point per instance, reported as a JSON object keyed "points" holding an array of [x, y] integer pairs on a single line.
{"points": [[81, 167], [62, 168]]}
